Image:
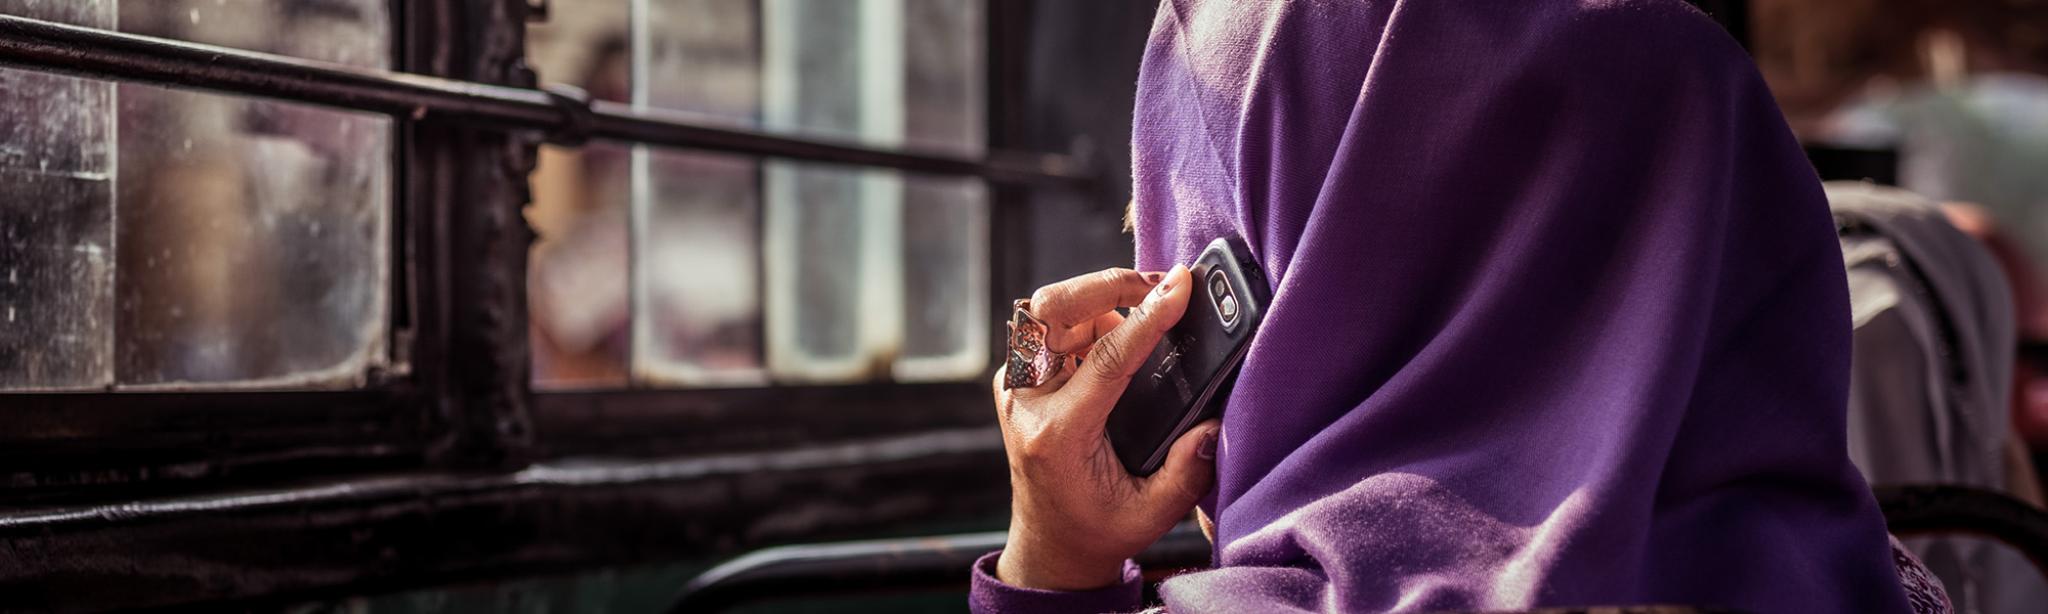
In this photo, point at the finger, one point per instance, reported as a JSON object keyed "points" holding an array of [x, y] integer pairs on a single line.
{"points": [[1079, 299], [1080, 336], [1189, 471], [1119, 354], [1022, 411], [1052, 384]]}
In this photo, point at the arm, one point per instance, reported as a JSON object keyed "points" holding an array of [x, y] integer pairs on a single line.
{"points": [[991, 596], [1076, 516]]}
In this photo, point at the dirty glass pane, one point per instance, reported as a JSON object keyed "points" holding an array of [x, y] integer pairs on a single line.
{"points": [[696, 272], [945, 221], [697, 217], [864, 273], [352, 32], [830, 230], [254, 236], [873, 274], [945, 280], [253, 240], [56, 222], [177, 237], [578, 270]]}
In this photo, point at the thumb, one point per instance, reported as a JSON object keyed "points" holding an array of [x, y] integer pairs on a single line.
{"points": [[1189, 471]]}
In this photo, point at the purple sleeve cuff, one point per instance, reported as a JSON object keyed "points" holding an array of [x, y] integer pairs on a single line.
{"points": [[991, 596]]}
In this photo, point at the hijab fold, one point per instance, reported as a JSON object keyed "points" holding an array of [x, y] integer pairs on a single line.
{"points": [[1558, 318]]}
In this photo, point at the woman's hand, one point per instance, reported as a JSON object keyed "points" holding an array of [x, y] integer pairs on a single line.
{"points": [[1075, 513]]}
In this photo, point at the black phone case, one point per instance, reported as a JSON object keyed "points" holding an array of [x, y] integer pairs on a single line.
{"points": [[1191, 371]]}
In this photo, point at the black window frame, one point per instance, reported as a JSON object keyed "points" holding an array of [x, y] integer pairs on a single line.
{"points": [[469, 354], [457, 429]]}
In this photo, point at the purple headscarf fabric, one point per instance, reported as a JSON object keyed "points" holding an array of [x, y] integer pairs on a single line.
{"points": [[1559, 316]]}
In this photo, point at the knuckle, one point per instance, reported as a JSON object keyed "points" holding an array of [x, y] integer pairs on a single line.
{"points": [[1109, 353], [1115, 276], [1051, 294]]}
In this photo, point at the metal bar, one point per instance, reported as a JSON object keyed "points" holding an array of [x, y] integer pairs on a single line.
{"points": [[621, 122], [906, 564], [100, 54], [1929, 510]]}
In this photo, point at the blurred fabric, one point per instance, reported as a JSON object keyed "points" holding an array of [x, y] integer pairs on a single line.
{"points": [[1931, 376]]}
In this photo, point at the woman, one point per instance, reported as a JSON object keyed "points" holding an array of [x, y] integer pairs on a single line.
{"points": [[1558, 319]]}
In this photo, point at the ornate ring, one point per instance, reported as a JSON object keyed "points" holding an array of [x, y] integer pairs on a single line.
{"points": [[1030, 363]]}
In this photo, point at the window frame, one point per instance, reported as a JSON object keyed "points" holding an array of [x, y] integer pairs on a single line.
{"points": [[467, 359], [356, 479], [71, 443]]}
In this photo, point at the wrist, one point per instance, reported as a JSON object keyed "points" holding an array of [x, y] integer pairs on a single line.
{"points": [[1027, 562]]}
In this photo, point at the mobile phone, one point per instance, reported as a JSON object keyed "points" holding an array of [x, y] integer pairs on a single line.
{"points": [[1191, 371]]}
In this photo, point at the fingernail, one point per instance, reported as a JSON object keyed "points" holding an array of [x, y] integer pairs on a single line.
{"points": [[1207, 451], [1153, 277], [1166, 283]]}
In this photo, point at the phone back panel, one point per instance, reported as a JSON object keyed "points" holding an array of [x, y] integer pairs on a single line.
{"points": [[1188, 375]]}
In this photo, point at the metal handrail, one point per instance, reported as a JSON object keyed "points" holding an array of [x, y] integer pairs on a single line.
{"points": [[885, 566], [567, 118], [1947, 510]]}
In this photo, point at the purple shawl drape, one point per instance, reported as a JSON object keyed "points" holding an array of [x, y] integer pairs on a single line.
{"points": [[1559, 316]]}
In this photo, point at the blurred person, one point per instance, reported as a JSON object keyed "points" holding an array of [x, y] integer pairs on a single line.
{"points": [[1979, 138], [2029, 396], [1931, 377], [1955, 86], [1557, 320], [692, 285], [250, 232], [577, 284]]}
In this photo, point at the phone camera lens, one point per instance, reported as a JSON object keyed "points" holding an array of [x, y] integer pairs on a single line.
{"points": [[1223, 298]]}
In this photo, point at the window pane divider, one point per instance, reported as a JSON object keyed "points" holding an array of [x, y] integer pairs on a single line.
{"points": [[101, 54]]}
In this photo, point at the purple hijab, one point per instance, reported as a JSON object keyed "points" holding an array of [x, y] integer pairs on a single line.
{"points": [[1559, 316]]}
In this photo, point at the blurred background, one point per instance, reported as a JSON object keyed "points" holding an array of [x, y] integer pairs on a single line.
{"points": [[1951, 101], [163, 241]]}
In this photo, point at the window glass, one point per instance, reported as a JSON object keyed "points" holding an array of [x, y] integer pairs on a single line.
{"points": [[352, 32], [254, 235], [861, 273], [945, 221], [57, 222], [253, 240], [689, 268], [697, 273], [945, 280], [697, 217], [577, 284], [214, 240]]}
